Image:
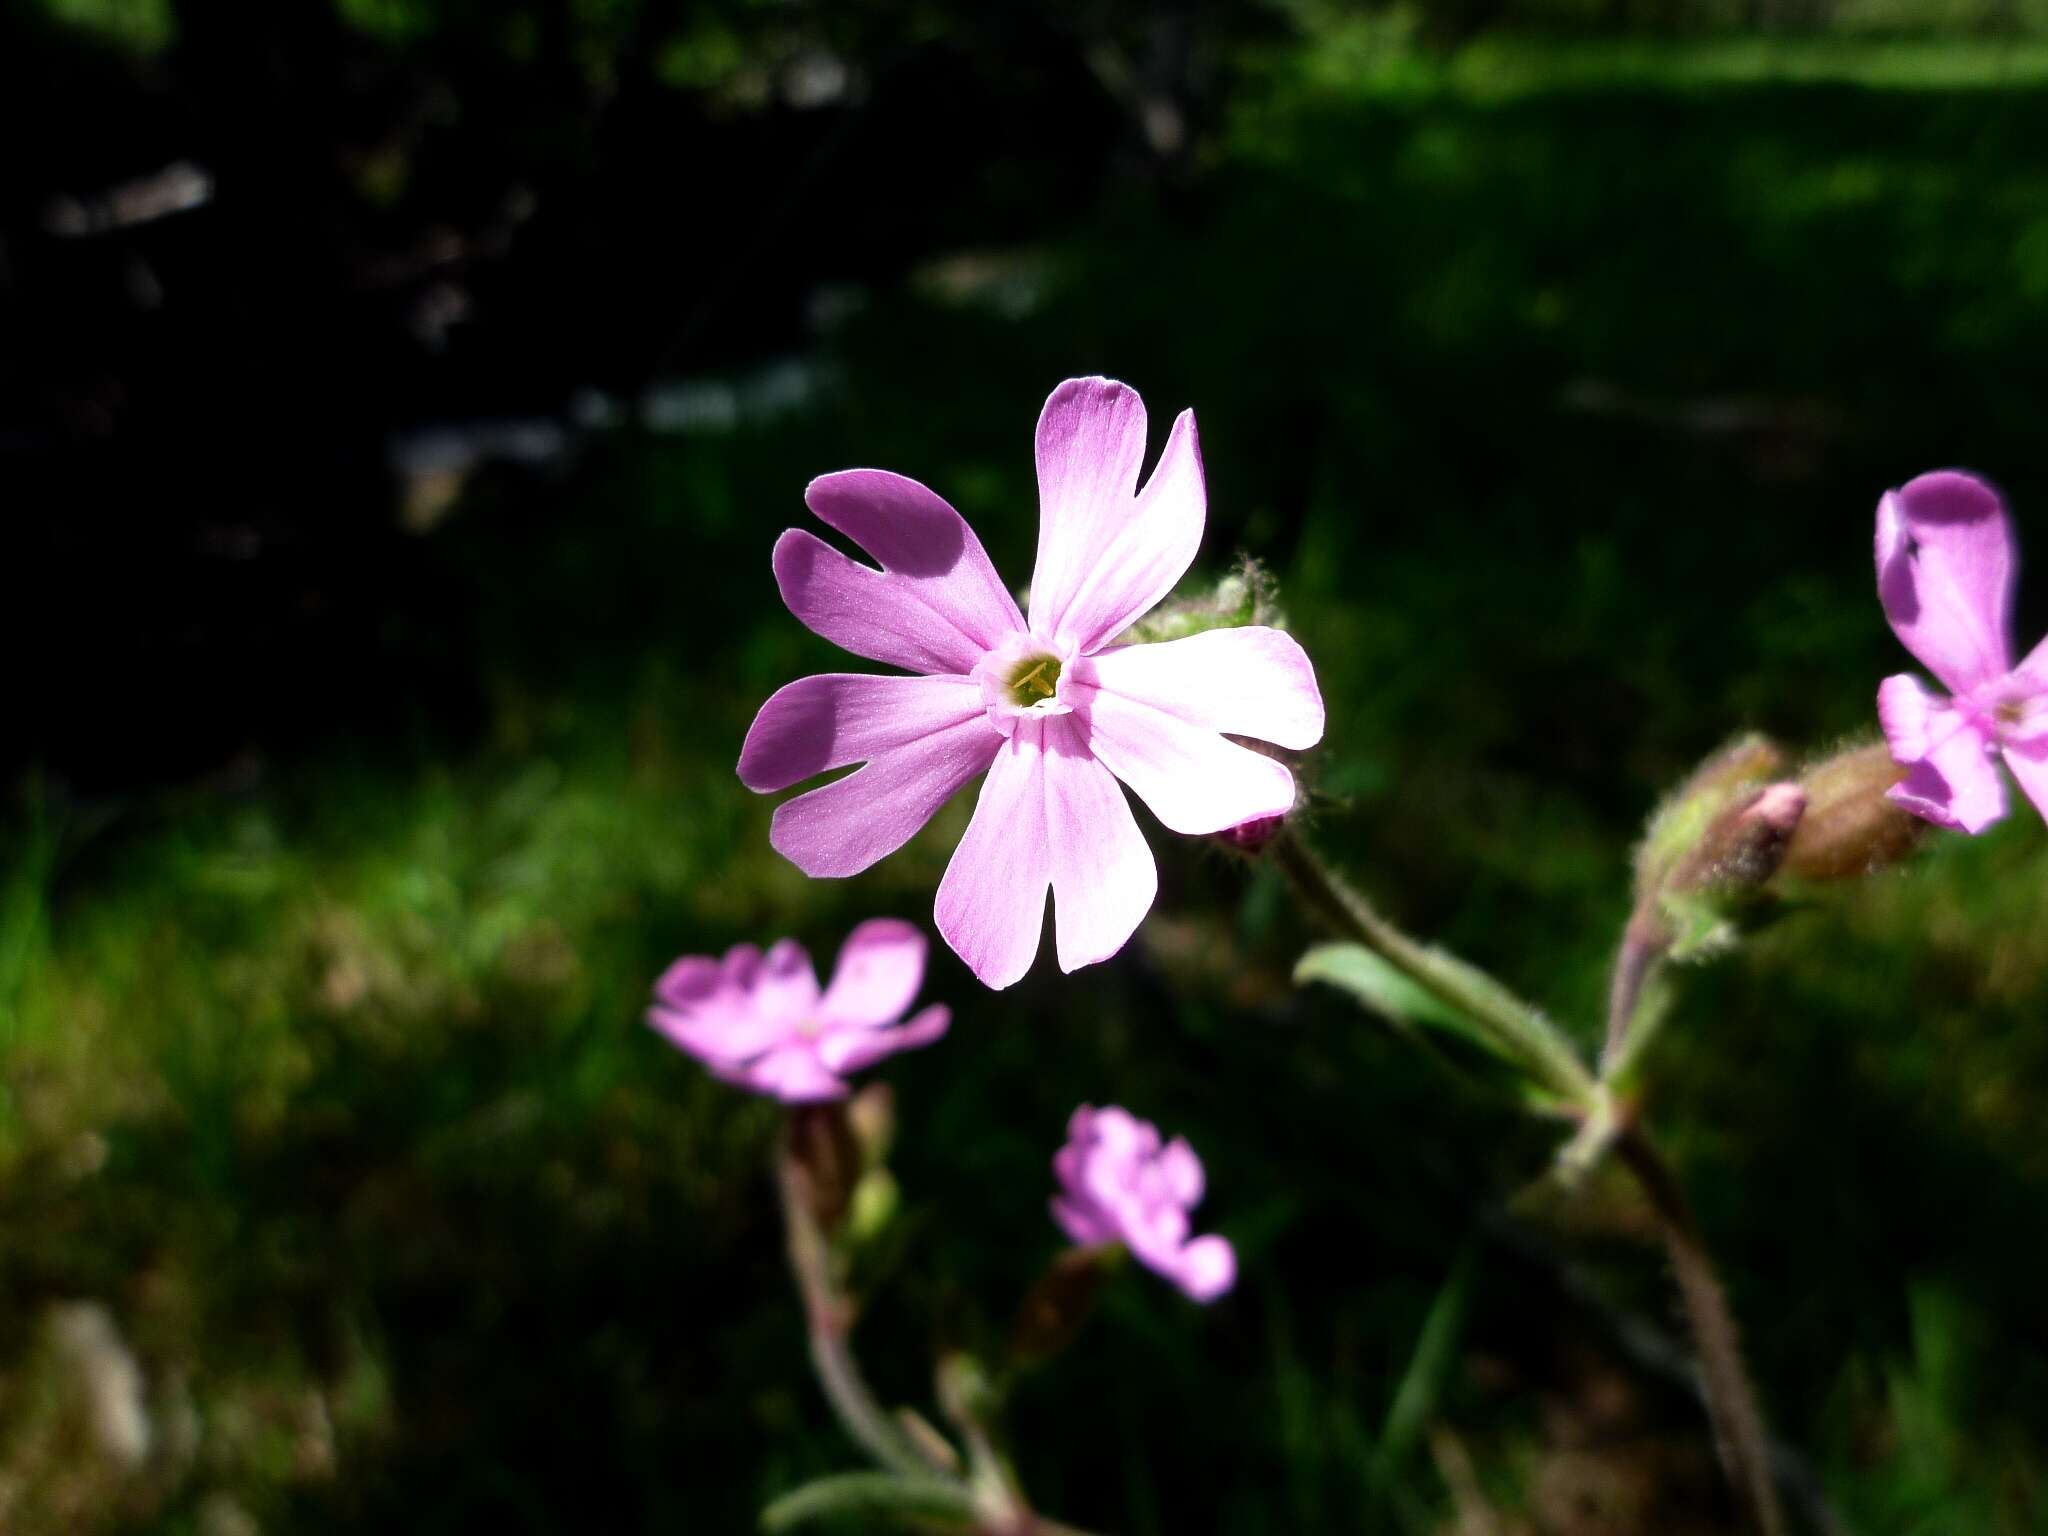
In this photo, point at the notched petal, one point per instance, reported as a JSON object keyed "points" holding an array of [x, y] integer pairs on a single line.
{"points": [[1945, 569]]}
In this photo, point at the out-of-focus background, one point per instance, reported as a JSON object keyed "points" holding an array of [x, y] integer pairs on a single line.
{"points": [[398, 403]]}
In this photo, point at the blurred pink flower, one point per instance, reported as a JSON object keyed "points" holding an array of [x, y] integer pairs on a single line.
{"points": [[1049, 707], [760, 1021], [1118, 1184], [1945, 569]]}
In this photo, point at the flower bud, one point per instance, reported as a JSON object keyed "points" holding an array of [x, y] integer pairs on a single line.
{"points": [[871, 1115], [1691, 815], [876, 1199], [1709, 851], [966, 1391], [1850, 828], [1744, 845], [1717, 888], [1251, 836]]}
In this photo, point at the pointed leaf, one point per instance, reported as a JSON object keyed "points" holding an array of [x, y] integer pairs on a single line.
{"points": [[910, 1500], [1395, 997]]}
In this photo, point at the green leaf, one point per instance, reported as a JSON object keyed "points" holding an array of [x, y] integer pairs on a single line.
{"points": [[1397, 998], [1421, 1385], [1406, 1003], [909, 1499]]}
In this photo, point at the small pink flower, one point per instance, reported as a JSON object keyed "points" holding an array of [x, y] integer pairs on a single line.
{"points": [[761, 1022], [1118, 1184], [1047, 706], [1945, 569]]}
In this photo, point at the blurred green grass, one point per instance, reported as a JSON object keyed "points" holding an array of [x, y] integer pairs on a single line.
{"points": [[1558, 385]]}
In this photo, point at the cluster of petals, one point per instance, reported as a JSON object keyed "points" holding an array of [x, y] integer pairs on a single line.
{"points": [[1046, 704], [1118, 1183], [1945, 569], [762, 1022]]}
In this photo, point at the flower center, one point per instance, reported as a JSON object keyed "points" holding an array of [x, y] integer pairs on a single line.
{"points": [[1034, 680], [1023, 678], [2016, 711]]}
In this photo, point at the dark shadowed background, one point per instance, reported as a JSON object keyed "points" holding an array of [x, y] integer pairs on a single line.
{"points": [[398, 403]]}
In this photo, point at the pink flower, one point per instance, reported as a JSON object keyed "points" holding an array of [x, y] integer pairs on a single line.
{"points": [[1048, 705], [1945, 568], [760, 1020], [1119, 1185]]}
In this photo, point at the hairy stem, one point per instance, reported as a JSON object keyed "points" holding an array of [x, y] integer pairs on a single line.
{"points": [[1731, 1400], [828, 1316]]}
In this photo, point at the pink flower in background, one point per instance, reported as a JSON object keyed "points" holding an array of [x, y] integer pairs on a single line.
{"points": [[760, 1021], [1945, 568], [1046, 705], [1118, 1184]]}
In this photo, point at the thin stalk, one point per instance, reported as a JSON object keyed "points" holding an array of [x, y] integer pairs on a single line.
{"points": [[828, 1317], [1731, 1401], [1518, 1026]]}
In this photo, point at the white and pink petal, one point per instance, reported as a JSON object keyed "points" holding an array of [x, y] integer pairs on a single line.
{"points": [[877, 974], [1089, 447], [2029, 764], [1191, 778], [1254, 681], [934, 606], [791, 1073], [816, 724], [719, 1033], [1149, 552], [1913, 719], [1108, 551], [850, 1048], [1205, 1268], [843, 827], [991, 900], [1103, 877], [785, 986], [1956, 785]]}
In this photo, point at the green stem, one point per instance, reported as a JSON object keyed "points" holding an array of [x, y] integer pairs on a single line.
{"points": [[1515, 1025], [829, 1319]]}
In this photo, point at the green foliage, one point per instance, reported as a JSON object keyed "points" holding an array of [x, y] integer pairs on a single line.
{"points": [[139, 26]]}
